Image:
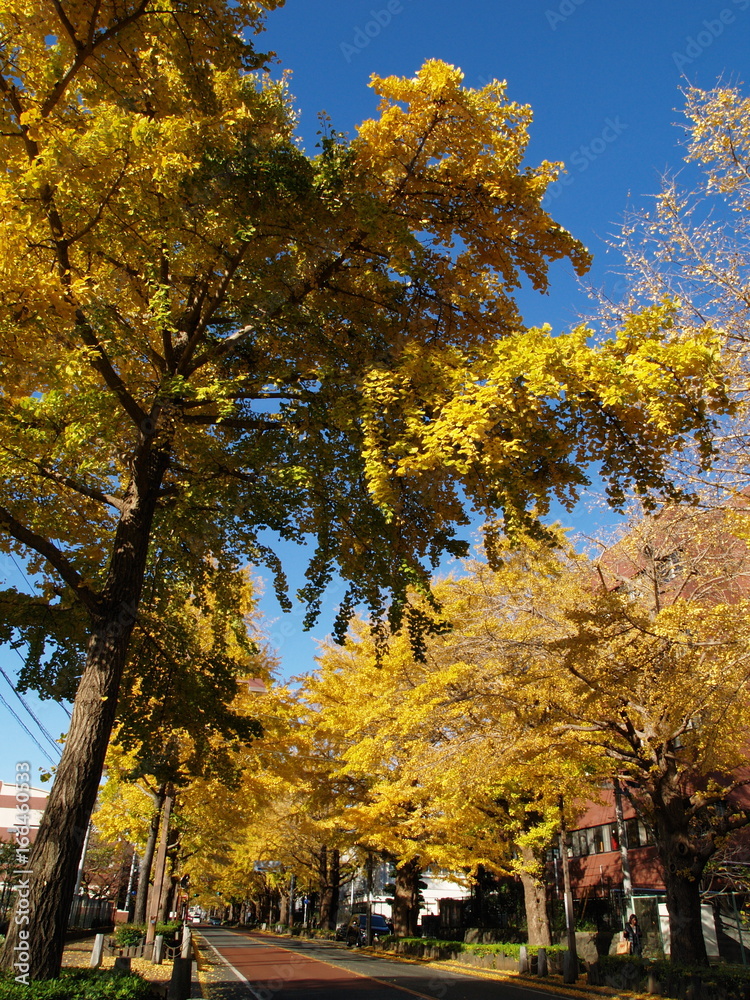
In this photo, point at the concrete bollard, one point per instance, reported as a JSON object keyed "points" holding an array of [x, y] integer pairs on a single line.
{"points": [[179, 984], [523, 959], [542, 962], [158, 956], [652, 984], [187, 942], [570, 967], [594, 975], [97, 951]]}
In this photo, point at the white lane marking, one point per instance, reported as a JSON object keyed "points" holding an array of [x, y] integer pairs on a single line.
{"points": [[243, 979]]}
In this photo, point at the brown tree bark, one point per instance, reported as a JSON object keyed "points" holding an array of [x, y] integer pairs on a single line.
{"points": [[144, 870], [42, 915], [685, 927], [683, 862], [329, 871], [167, 892], [535, 901], [406, 899]]}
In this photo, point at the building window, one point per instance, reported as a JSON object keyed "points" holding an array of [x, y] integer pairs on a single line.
{"points": [[632, 833], [593, 840]]}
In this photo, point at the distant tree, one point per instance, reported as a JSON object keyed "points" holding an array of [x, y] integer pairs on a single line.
{"points": [[613, 679]]}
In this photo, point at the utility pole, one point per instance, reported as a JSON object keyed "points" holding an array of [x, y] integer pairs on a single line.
{"points": [[159, 867], [131, 879], [368, 925], [570, 971], [82, 862], [622, 836]]}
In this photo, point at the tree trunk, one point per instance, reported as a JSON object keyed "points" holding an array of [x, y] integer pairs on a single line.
{"points": [[42, 916], [535, 901], [684, 905], [406, 899], [144, 871], [684, 855], [329, 868], [167, 892]]}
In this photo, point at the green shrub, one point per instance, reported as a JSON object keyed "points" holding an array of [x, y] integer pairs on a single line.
{"points": [[129, 934], [587, 926], [630, 972], [79, 984], [510, 949], [169, 929]]}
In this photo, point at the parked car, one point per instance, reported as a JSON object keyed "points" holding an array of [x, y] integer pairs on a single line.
{"points": [[215, 921], [356, 929]]}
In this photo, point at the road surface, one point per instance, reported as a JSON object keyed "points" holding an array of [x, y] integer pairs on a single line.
{"points": [[280, 968]]}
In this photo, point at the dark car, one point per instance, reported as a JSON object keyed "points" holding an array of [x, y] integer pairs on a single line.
{"points": [[214, 921], [356, 930]]}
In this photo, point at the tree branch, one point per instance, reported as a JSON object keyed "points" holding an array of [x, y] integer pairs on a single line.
{"points": [[54, 557], [87, 491], [235, 423]]}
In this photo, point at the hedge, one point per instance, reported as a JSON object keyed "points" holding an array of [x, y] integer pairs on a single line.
{"points": [[631, 972], [132, 934], [510, 950], [79, 984]]}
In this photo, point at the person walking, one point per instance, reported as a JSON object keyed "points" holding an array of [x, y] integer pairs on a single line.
{"points": [[632, 935]]}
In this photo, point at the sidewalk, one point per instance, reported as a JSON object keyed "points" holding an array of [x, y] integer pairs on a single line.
{"points": [[77, 954]]}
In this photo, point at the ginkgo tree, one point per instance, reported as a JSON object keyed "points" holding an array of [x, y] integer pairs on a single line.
{"points": [[639, 670], [430, 763], [207, 335], [692, 248]]}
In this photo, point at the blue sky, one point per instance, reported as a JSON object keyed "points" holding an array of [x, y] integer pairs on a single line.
{"points": [[603, 78]]}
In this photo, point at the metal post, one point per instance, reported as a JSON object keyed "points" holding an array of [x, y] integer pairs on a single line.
{"points": [[131, 879], [739, 929], [622, 836], [570, 974], [82, 862], [368, 924]]}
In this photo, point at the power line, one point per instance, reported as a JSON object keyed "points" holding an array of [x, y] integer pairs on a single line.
{"points": [[20, 570], [20, 657], [15, 649], [25, 727], [42, 728]]}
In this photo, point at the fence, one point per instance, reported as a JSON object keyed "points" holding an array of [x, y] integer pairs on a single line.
{"points": [[88, 913], [85, 913]]}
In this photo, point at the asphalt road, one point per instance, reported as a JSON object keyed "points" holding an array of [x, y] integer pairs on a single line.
{"points": [[268, 968]]}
